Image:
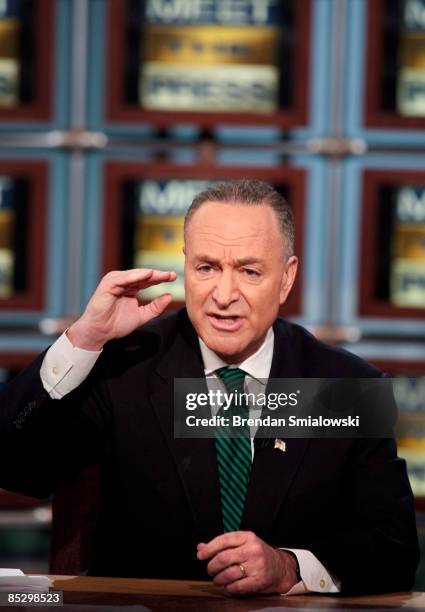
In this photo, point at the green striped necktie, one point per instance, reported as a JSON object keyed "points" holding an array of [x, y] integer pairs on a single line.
{"points": [[233, 454]]}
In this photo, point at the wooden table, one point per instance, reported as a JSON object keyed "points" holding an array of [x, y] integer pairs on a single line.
{"points": [[187, 596]]}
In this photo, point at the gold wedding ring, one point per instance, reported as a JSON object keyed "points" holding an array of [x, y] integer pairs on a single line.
{"points": [[243, 570]]}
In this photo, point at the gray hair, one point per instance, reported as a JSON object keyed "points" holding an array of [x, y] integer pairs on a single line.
{"points": [[250, 192]]}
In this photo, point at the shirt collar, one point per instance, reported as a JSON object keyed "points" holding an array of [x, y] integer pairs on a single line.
{"points": [[256, 366]]}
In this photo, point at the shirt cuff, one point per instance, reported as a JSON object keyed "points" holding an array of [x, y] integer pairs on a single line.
{"points": [[65, 367], [314, 576]]}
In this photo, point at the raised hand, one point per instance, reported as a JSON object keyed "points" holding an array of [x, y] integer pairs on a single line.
{"points": [[114, 309]]}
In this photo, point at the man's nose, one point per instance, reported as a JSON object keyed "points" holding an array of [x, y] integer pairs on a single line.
{"points": [[226, 290]]}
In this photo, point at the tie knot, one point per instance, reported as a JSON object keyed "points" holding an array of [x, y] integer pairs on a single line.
{"points": [[233, 378]]}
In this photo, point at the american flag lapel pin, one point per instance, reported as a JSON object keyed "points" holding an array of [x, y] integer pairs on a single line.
{"points": [[280, 445]]}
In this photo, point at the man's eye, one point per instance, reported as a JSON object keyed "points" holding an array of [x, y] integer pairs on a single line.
{"points": [[251, 273], [204, 268]]}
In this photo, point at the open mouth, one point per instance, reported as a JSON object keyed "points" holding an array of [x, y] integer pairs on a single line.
{"points": [[225, 322]]}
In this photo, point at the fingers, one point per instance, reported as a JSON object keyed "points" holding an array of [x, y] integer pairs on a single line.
{"points": [[132, 280], [226, 553], [155, 308], [232, 579], [243, 586], [222, 542], [260, 572], [226, 558], [228, 575]]}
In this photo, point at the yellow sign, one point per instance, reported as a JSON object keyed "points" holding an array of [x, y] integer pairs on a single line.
{"points": [[409, 242], [412, 50], [160, 233], [207, 44], [411, 76], [7, 219], [9, 34]]}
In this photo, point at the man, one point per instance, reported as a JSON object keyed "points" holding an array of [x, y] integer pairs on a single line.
{"points": [[326, 515]]}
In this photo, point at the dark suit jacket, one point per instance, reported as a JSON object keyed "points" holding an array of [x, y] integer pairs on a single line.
{"points": [[348, 501]]}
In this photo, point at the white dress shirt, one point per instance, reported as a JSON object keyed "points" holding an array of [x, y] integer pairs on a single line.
{"points": [[65, 367], [314, 575]]}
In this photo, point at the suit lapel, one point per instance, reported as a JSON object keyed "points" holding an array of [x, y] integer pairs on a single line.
{"points": [[274, 470], [195, 458]]}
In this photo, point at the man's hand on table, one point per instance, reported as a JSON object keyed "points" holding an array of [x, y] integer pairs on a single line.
{"points": [[264, 569]]}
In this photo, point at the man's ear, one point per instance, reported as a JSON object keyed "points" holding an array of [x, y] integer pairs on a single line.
{"points": [[288, 278]]}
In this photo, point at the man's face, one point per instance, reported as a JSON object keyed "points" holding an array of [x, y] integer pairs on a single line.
{"points": [[235, 276]]}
